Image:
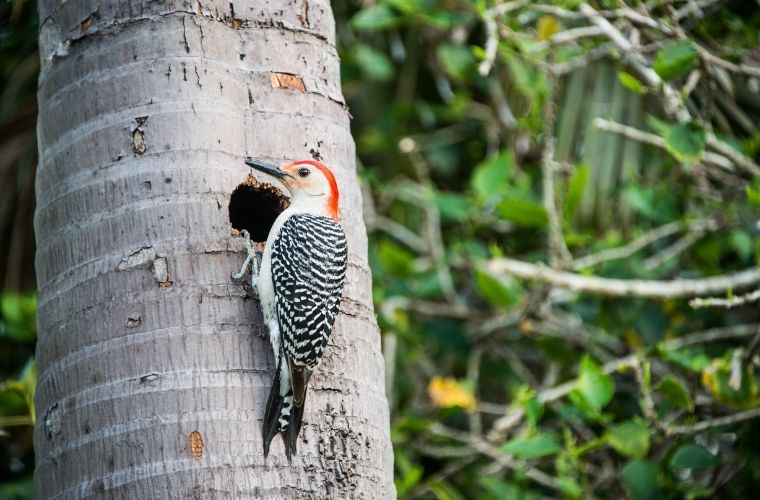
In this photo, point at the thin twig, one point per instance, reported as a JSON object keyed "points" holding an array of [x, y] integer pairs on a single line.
{"points": [[503, 425], [655, 140], [714, 422], [484, 447], [559, 255], [672, 251], [728, 303], [642, 242]]}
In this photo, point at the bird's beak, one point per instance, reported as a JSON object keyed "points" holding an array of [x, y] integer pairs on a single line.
{"points": [[267, 168]]}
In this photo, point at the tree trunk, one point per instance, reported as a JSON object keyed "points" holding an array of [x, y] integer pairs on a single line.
{"points": [[153, 366]]}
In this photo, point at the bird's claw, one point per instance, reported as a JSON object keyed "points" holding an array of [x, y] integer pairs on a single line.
{"points": [[251, 261]]}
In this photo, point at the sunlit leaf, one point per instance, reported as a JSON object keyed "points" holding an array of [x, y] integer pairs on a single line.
{"points": [[685, 141], [490, 177], [448, 392], [593, 388], [631, 82], [731, 382], [537, 446], [499, 291], [547, 27], [575, 190], [523, 212], [629, 438], [675, 59]]}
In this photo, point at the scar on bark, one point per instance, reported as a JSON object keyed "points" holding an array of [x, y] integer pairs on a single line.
{"points": [[138, 136], [286, 81], [196, 445], [147, 258], [254, 206]]}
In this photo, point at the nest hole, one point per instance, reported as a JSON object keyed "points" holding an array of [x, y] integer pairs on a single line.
{"points": [[254, 206]]}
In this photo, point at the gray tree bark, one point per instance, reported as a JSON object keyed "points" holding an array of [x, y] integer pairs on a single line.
{"points": [[153, 367]]}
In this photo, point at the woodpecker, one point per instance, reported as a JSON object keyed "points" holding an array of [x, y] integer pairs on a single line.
{"points": [[300, 283]]}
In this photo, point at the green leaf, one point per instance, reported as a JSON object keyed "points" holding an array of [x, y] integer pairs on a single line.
{"points": [[453, 206], [753, 196], [373, 63], [741, 243], [675, 59], [692, 456], [569, 487], [593, 388], [676, 392], [377, 17], [690, 358], [457, 61], [499, 488], [523, 212], [540, 445], [497, 291], [547, 27], [394, 258], [575, 189], [629, 438], [631, 82], [721, 379], [685, 141], [640, 478], [442, 490], [17, 317], [490, 177]]}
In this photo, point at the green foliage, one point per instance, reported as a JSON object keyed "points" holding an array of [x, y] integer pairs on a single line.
{"points": [[685, 141], [536, 446], [675, 59], [490, 177], [629, 438], [17, 317], [640, 479], [676, 393], [593, 388], [631, 82], [456, 144], [694, 457]]}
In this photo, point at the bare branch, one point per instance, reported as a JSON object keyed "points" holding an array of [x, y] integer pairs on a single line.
{"points": [[662, 289], [655, 140], [672, 251], [559, 255], [714, 422], [738, 300], [642, 242]]}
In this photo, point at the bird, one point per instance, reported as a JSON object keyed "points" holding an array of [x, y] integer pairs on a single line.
{"points": [[300, 285]]}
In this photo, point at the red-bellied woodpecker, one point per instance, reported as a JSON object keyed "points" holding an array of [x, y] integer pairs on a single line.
{"points": [[300, 282]]}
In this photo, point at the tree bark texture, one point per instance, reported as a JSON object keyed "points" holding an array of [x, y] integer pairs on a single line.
{"points": [[153, 366]]}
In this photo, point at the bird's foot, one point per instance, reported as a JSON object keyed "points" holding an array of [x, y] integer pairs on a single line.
{"points": [[252, 262]]}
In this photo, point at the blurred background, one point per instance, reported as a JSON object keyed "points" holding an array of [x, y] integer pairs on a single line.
{"points": [[604, 138]]}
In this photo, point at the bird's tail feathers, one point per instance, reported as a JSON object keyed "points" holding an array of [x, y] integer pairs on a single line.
{"points": [[290, 435], [275, 403]]}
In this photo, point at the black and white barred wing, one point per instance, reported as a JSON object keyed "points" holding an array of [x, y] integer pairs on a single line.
{"points": [[309, 261]]}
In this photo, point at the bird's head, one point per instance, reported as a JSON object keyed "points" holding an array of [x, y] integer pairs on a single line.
{"points": [[311, 184]]}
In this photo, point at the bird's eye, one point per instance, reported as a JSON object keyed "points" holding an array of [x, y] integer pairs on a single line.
{"points": [[303, 172]]}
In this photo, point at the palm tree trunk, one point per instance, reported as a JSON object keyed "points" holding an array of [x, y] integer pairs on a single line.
{"points": [[153, 366]]}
